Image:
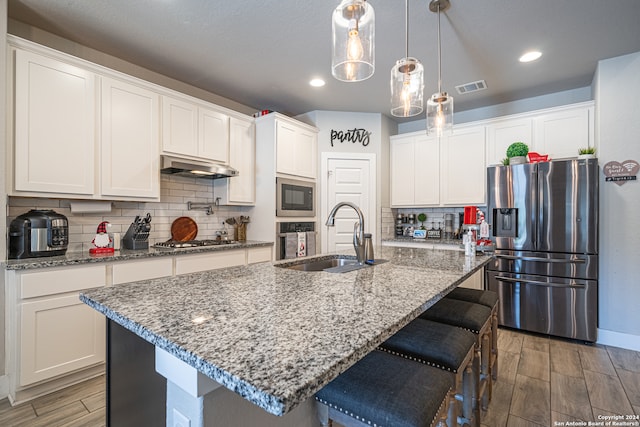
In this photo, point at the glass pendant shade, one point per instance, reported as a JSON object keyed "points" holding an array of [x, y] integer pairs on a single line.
{"points": [[407, 87], [352, 58], [440, 114]]}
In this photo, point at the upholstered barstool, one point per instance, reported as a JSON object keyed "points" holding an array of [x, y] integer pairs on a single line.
{"points": [[386, 390], [488, 299], [445, 347], [477, 319]]}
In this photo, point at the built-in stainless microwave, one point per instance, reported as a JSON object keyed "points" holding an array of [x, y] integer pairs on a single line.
{"points": [[295, 198]]}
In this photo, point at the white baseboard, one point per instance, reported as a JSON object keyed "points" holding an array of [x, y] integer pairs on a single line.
{"points": [[4, 386], [619, 339]]}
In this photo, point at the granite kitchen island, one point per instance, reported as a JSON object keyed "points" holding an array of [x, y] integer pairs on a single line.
{"points": [[274, 335]]}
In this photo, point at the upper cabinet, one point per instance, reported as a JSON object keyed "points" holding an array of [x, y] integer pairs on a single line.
{"points": [[79, 132], [129, 144], [193, 129], [561, 133], [458, 177], [296, 148], [241, 189], [55, 118]]}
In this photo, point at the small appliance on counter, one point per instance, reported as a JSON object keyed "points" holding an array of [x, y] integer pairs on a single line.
{"points": [[137, 236], [38, 233]]}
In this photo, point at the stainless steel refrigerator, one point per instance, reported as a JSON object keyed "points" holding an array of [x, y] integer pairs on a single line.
{"points": [[544, 224]]}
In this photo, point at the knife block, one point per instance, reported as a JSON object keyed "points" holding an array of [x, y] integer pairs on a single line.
{"points": [[136, 238]]}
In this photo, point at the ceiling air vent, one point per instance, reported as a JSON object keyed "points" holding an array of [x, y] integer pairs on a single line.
{"points": [[471, 87]]}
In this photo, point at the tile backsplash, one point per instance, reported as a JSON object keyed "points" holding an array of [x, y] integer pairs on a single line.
{"points": [[175, 192], [435, 218]]}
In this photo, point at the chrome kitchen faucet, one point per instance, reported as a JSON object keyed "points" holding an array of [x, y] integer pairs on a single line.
{"points": [[358, 229]]}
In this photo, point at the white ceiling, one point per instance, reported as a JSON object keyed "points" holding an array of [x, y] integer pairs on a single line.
{"points": [[262, 53]]}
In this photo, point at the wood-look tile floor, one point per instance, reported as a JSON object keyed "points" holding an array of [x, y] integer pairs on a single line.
{"points": [[542, 382]]}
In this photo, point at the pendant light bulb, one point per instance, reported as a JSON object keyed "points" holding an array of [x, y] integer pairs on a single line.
{"points": [[353, 32], [440, 105], [407, 82], [355, 51]]}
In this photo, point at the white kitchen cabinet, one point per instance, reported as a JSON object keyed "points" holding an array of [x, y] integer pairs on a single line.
{"points": [[241, 189], [132, 271], [476, 281], [462, 167], [502, 133], [194, 129], [209, 261], [415, 169], [130, 143], [58, 334], [560, 134], [260, 254], [296, 148], [55, 117]]}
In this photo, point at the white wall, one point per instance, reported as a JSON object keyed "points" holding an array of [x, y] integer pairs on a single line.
{"points": [[381, 129], [3, 193], [617, 96]]}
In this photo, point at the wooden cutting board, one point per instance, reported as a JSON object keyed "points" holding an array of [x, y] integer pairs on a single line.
{"points": [[184, 229]]}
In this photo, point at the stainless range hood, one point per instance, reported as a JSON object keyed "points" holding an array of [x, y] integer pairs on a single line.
{"points": [[173, 165]]}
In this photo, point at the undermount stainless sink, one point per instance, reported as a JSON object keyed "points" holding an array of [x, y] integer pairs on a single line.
{"points": [[331, 265]]}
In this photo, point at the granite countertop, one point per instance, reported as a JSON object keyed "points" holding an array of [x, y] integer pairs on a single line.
{"points": [[274, 335], [76, 258]]}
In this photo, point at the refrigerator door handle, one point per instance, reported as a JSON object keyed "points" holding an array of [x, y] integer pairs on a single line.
{"points": [[550, 260], [539, 283]]}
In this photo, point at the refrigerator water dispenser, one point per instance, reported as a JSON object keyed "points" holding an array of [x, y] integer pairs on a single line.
{"points": [[505, 222]]}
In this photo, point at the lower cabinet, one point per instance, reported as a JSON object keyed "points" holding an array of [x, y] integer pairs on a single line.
{"points": [[59, 335], [476, 281], [209, 261]]}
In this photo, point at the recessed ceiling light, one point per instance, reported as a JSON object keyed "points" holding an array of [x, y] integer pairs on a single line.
{"points": [[530, 56], [317, 82]]}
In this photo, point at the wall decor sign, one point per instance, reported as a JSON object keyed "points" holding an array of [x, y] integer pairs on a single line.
{"points": [[354, 136], [621, 172]]}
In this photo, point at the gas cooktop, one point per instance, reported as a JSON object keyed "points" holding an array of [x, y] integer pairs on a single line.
{"points": [[173, 244]]}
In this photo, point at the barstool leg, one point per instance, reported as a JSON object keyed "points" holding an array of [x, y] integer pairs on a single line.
{"points": [[494, 346], [469, 397], [486, 369], [322, 412]]}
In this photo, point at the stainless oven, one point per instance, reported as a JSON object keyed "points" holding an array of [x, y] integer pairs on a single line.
{"points": [[295, 198]]}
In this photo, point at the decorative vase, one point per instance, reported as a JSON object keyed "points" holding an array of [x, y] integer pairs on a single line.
{"points": [[586, 156], [517, 160]]}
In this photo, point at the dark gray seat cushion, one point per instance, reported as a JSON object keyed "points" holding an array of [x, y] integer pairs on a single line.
{"points": [[388, 391], [463, 314], [436, 344], [487, 298]]}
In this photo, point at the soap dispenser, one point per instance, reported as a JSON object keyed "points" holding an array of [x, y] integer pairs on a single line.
{"points": [[368, 249]]}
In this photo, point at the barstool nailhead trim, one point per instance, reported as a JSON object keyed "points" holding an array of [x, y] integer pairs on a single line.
{"points": [[416, 359]]}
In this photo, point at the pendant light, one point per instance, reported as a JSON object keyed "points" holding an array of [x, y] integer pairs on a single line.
{"points": [[440, 105], [352, 58], [407, 82]]}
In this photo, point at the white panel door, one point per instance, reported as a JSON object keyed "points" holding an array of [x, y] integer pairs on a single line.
{"points": [[561, 134], [502, 134], [213, 135], [130, 142], [348, 181], [402, 171], [59, 335], [54, 126]]}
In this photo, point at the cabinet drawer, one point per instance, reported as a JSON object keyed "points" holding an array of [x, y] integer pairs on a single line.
{"points": [[56, 281], [142, 270], [193, 263], [258, 254]]}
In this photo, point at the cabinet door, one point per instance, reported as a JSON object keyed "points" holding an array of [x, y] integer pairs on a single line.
{"points": [[305, 151], [286, 135], [54, 126], [242, 188], [179, 126], [561, 134], [57, 336], [402, 171], [213, 135], [463, 172], [427, 171], [209, 261], [295, 150], [130, 141], [502, 134]]}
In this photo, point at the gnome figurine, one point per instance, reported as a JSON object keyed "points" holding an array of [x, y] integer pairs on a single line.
{"points": [[102, 240]]}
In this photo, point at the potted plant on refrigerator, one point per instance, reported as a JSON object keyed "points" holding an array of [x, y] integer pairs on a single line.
{"points": [[517, 153], [587, 153]]}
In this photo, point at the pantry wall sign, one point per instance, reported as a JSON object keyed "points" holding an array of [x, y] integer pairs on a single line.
{"points": [[621, 172], [354, 136]]}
